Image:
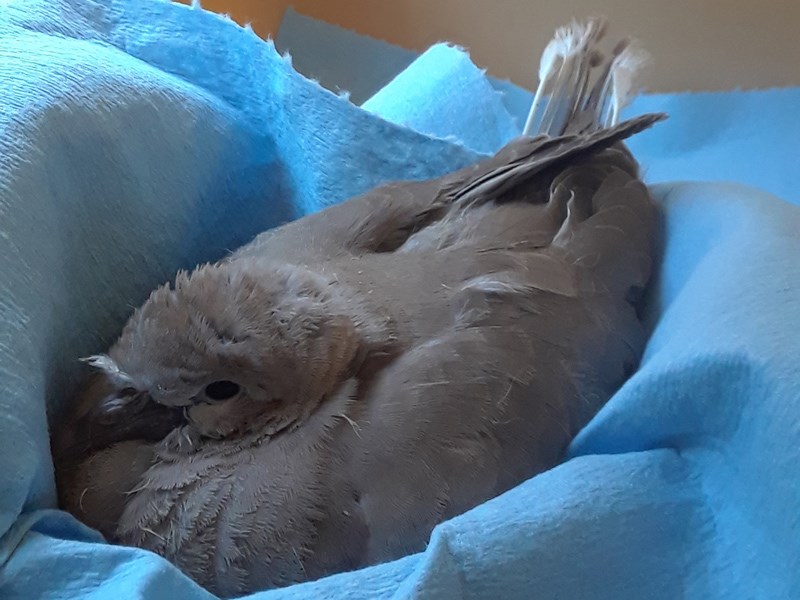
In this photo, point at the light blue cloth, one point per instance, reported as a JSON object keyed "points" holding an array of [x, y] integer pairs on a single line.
{"points": [[138, 137]]}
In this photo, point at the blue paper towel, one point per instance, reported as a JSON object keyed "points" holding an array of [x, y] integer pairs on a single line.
{"points": [[138, 136]]}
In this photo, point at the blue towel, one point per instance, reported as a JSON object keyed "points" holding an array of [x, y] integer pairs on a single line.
{"points": [[138, 137]]}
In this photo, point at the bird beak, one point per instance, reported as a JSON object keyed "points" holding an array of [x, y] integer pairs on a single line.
{"points": [[113, 417]]}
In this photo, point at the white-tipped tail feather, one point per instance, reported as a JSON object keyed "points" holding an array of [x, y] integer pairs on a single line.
{"points": [[580, 88]]}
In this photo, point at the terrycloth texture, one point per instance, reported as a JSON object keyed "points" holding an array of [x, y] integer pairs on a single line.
{"points": [[126, 153]]}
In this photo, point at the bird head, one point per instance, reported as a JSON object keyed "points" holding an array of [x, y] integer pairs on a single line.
{"points": [[240, 347]]}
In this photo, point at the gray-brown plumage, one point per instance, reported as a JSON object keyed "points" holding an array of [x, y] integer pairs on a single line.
{"points": [[326, 395]]}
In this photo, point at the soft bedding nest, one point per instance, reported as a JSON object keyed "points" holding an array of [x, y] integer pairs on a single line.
{"points": [[138, 137]]}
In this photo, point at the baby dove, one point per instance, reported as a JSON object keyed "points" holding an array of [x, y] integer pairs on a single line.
{"points": [[325, 396]]}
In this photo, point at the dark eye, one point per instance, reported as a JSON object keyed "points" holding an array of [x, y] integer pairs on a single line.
{"points": [[221, 390]]}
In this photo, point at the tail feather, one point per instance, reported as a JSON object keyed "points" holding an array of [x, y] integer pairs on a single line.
{"points": [[576, 112], [580, 88]]}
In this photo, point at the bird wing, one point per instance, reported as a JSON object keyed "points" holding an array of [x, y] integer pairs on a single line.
{"points": [[459, 420], [382, 219], [538, 340]]}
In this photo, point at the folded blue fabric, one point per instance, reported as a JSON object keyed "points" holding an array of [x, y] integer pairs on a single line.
{"points": [[138, 137], [444, 71]]}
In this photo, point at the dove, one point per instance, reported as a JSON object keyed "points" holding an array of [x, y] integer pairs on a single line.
{"points": [[323, 397]]}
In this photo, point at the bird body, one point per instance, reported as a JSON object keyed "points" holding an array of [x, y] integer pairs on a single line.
{"points": [[325, 396]]}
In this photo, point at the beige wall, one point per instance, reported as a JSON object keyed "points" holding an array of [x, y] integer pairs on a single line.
{"points": [[696, 44]]}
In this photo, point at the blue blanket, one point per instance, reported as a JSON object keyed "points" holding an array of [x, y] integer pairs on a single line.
{"points": [[138, 137]]}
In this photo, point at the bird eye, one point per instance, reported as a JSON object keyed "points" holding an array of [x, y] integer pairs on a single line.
{"points": [[221, 390]]}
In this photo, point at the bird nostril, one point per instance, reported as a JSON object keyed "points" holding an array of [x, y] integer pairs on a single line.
{"points": [[221, 390]]}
